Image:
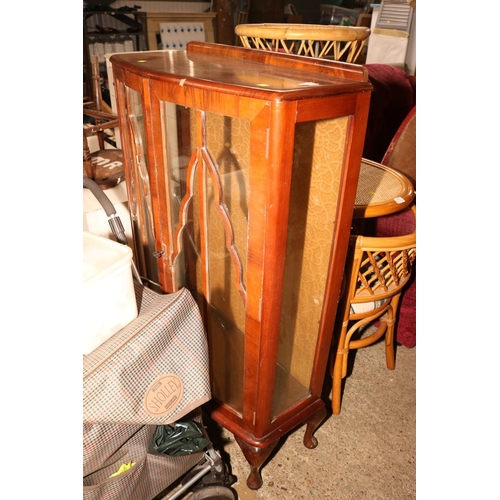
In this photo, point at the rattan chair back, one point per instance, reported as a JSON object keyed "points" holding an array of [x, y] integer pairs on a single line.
{"points": [[382, 266], [314, 40]]}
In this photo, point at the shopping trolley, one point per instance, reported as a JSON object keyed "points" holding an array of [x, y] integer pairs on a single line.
{"points": [[150, 376]]}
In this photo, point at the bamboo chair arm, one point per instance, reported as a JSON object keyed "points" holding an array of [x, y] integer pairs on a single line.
{"points": [[371, 243], [292, 31]]}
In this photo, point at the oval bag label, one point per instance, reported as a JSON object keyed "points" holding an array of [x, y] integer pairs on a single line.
{"points": [[163, 395]]}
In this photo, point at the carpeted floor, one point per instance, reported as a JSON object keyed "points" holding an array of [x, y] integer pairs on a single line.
{"points": [[366, 452]]}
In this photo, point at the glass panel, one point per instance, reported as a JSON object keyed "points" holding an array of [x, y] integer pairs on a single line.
{"points": [[220, 172], [228, 143], [180, 150], [317, 164], [140, 198]]}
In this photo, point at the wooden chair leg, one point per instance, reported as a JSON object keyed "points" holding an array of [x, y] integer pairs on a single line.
{"points": [[87, 160], [337, 384], [390, 345], [390, 359], [339, 370]]}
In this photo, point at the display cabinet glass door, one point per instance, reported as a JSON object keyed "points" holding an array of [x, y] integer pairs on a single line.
{"points": [[207, 159]]}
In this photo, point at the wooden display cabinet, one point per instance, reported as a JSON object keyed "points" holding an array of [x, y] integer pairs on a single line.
{"points": [[241, 169]]}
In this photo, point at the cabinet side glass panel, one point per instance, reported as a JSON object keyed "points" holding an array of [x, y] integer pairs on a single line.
{"points": [[140, 203], [316, 172]]}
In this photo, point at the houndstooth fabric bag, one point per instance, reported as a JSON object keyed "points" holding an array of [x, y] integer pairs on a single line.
{"points": [[152, 372]]}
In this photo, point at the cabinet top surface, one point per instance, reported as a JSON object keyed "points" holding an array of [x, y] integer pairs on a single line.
{"points": [[236, 69]]}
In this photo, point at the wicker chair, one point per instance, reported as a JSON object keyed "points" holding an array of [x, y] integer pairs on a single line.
{"points": [[314, 40], [104, 166], [377, 270]]}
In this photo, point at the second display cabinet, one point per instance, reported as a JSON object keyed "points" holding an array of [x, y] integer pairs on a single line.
{"points": [[241, 169]]}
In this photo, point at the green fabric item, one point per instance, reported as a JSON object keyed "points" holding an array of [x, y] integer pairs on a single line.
{"points": [[181, 438]]}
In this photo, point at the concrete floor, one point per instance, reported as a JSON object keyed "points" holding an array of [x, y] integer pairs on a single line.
{"points": [[366, 452]]}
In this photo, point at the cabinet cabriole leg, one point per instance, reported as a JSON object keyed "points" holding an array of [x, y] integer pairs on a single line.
{"points": [[255, 457], [312, 424]]}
